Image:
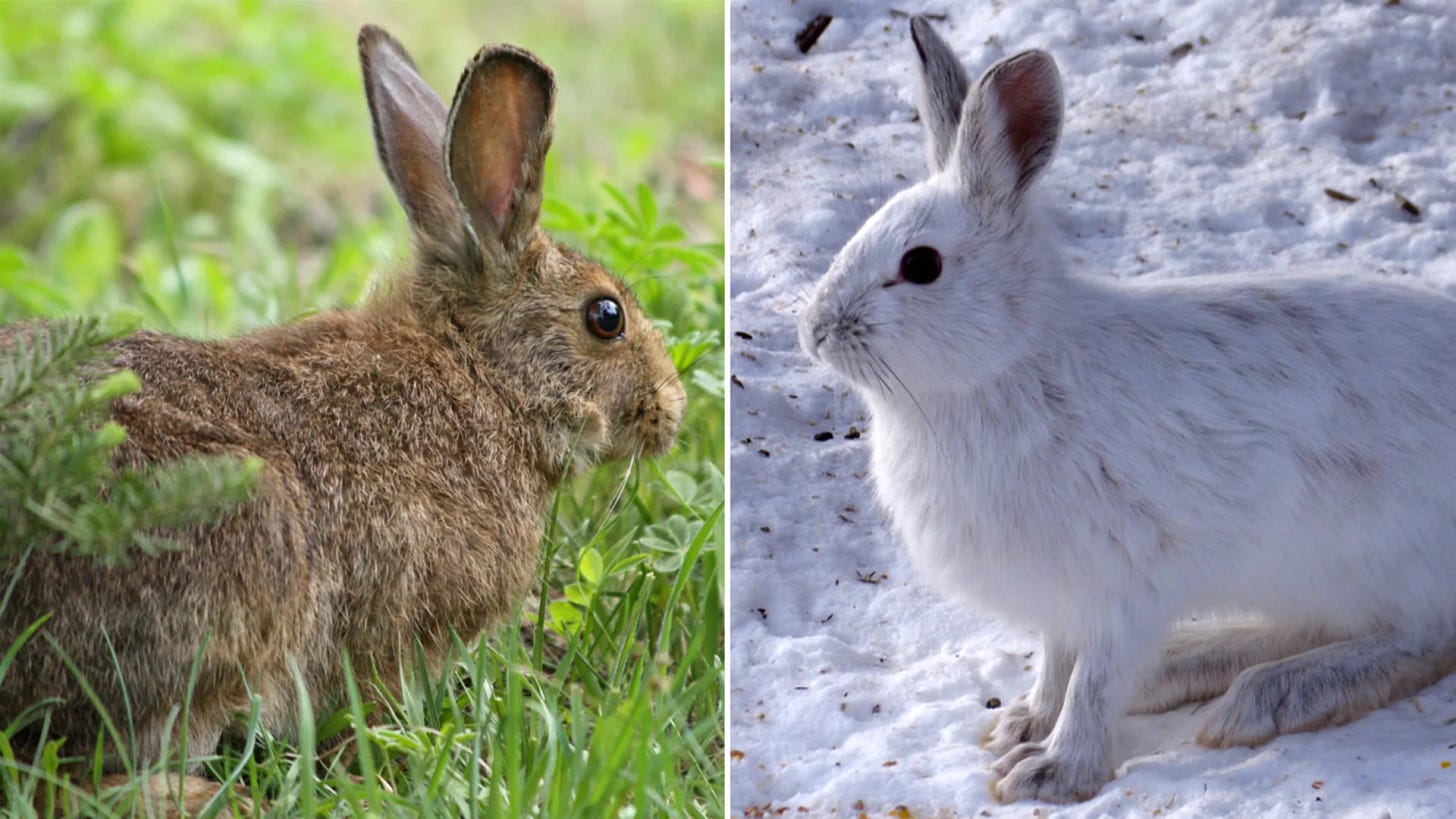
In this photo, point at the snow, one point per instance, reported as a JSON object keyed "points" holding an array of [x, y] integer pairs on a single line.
{"points": [[853, 687]]}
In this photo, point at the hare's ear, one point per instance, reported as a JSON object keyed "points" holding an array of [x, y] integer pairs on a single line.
{"points": [[1010, 127], [409, 130], [943, 84], [499, 131]]}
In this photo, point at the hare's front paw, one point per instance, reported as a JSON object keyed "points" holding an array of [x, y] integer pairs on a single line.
{"points": [[1034, 771], [1016, 725]]}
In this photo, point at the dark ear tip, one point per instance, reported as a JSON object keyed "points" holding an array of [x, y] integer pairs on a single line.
{"points": [[1033, 64], [506, 53], [1036, 57], [919, 30], [369, 35], [372, 38]]}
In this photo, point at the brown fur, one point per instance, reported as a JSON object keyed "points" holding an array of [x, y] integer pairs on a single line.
{"points": [[159, 795], [410, 447]]}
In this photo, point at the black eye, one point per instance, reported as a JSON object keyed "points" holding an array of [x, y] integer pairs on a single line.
{"points": [[920, 265], [605, 319]]}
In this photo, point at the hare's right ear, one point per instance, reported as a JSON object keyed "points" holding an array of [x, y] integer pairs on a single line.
{"points": [[1010, 127], [943, 84], [499, 132], [409, 130]]}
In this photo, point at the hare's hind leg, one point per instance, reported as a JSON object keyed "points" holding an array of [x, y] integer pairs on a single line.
{"points": [[1199, 663], [163, 794], [1033, 715], [1329, 685]]}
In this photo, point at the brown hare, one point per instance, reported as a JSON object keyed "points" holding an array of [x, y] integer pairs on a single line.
{"points": [[409, 447]]}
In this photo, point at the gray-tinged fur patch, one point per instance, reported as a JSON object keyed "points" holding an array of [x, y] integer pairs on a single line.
{"points": [[1329, 685], [1234, 311]]}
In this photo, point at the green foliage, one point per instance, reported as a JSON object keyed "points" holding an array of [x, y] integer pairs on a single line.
{"points": [[210, 164], [209, 167], [137, 161], [57, 483]]}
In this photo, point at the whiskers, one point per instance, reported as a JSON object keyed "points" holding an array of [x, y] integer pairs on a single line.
{"points": [[615, 503], [870, 369], [633, 282], [625, 274], [683, 370]]}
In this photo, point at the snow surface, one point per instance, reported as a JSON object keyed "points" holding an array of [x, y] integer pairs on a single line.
{"points": [[854, 689]]}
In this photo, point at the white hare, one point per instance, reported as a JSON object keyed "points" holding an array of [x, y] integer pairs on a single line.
{"points": [[1100, 458]]}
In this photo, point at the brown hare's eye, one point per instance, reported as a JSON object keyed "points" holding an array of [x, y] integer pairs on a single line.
{"points": [[920, 265], [605, 319]]}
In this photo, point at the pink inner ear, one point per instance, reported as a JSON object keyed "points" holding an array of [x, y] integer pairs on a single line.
{"points": [[500, 203], [1027, 95], [508, 116], [503, 113]]}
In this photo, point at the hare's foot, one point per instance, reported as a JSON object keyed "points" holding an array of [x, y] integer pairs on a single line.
{"points": [[1330, 685], [1198, 663], [1037, 770], [163, 794], [1018, 724], [1033, 715], [1073, 763]]}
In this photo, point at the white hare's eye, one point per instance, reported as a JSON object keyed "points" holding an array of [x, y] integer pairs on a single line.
{"points": [[920, 265], [605, 319]]}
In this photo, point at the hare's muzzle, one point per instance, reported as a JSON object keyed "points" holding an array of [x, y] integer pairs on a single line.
{"points": [[661, 415]]}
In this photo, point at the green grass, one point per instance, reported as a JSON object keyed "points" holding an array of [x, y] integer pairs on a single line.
{"points": [[209, 168]]}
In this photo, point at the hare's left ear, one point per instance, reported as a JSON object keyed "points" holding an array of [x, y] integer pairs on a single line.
{"points": [[409, 128], [496, 143], [943, 84], [1010, 127]]}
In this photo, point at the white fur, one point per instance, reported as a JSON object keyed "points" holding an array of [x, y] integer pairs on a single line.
{"points": [[1100, 459]]}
